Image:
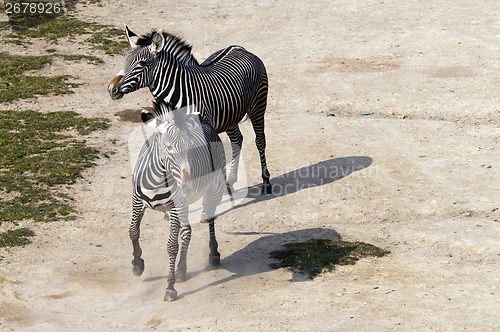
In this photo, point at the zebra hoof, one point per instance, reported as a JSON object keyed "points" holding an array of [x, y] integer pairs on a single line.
{"points": [[180, 276], [170, 295], [214, 260], [267, 189], [230, 191], [138, 266]]}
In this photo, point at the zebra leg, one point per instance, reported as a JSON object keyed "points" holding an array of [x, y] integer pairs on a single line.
{"points": [[134, 232], [214, 256], [256, 115], [236, 139], [174, 215], [260, 140], [211, 199], [185, 235]]}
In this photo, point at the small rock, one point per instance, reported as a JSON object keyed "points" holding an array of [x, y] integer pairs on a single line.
{"points": [[467, 213]]}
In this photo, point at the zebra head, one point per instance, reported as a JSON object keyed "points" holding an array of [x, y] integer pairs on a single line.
{"points": [[180, 134], [181, 129], [138, 70]]}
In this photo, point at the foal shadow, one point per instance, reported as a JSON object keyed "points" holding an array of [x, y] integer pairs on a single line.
{"points": [[254, 258]]}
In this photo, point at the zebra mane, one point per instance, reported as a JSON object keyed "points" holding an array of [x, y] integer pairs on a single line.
{"points": [[174, 45], [163, 110]]}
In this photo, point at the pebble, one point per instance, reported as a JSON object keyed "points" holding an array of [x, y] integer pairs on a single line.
{"points": [[467, 213]]}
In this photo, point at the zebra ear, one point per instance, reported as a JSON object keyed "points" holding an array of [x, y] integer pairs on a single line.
{"points": [[147, 118], [158, 42], [131, 37]]}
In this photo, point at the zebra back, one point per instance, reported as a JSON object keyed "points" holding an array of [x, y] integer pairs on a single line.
{"points": [[223, 88]]}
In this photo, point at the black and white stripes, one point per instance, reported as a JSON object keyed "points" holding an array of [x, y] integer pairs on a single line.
{"points": [[179, 164], [228, 85]]}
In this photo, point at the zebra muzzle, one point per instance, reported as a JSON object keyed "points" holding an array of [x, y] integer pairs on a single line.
{"points": [[113, 88]]}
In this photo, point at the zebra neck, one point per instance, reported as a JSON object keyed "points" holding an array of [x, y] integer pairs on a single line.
{"points": [[175, 82]]}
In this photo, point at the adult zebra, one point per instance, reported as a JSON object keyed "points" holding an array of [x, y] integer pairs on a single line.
{"points": [[229, 84], [179, 164]]}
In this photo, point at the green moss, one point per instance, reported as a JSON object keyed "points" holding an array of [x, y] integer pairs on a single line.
{"points": [[81, 57], [53, 29], [24, 19], [15, 85], [102, 42], [101, 37], [16, 237], [4, 25], [316, 255], [13, 65], [41, 152], [37, 154], [29, 86]]}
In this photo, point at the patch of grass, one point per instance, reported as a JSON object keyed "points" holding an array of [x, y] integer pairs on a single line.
{"points": [[16, 237], [63, 26], [81, 57], [4, 25], [317, 255], [29, 86], [108, 39], [102, 42], [21, 21], [102, 37], [13, 65], [30, 15], [38, 152], [15, 85]]}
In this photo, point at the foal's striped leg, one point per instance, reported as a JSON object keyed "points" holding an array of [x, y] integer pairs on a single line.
{"points": [[185, 235], [211, 199], [175, 215], [134, 232], [214, 256]]}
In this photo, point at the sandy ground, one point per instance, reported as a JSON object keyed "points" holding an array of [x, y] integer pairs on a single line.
{"points": [[418, 177]]}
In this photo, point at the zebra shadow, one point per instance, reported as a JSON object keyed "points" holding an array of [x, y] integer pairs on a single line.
{"points": [[254, 258], [317, 175]]}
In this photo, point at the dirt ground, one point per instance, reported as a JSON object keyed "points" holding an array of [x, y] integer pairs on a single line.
{"points": [[419, 176]]}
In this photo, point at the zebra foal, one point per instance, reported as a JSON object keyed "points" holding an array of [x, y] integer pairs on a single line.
{"points": [[180, 163], [225, 87]]}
